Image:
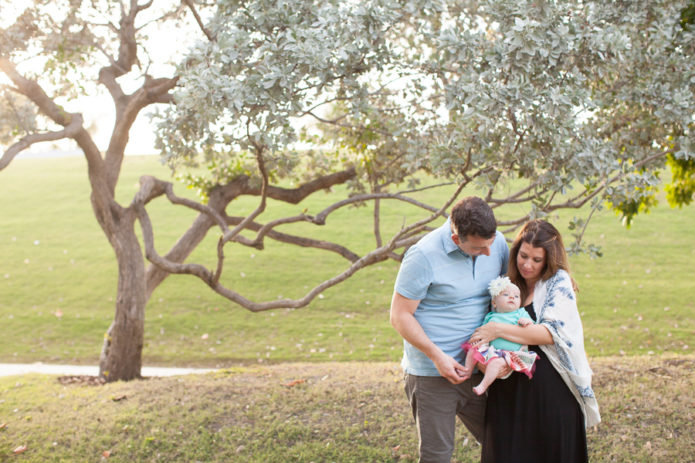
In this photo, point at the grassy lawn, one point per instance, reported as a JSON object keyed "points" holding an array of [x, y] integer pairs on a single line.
{"points": [[322, 412], [320, 383], [58, 282]]}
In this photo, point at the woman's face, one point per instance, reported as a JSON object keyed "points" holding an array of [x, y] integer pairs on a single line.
{"points": [[530, 261]]}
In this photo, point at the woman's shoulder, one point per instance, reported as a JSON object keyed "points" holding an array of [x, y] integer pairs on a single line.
{"points": [[560, 280], [561, 284], [560, 275]]}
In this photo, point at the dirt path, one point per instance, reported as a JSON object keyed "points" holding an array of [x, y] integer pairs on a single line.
{"points": [[10, 369]]}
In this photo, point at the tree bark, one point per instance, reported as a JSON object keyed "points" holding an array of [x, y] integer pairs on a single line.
{"points": [[121, 355]]}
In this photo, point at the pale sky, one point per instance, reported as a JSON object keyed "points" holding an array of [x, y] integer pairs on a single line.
{"points": [[99, 109]]}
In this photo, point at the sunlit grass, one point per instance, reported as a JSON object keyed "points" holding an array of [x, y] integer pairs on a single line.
{"points": [[58, 281]]}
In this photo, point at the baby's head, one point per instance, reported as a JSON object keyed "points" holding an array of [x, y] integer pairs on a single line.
{"points": [[506, 296]]}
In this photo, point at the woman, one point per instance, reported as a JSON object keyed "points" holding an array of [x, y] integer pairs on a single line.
{"points": [[541, 419]]}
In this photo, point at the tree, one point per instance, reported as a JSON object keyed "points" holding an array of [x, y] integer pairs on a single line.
{"points": [[540, 105], [49, 54]]}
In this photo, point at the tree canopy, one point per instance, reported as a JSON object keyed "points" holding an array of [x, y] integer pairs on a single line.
{"points": [[582, 101]]}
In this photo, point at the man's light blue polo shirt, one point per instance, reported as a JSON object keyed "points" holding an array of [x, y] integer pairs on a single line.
{"points": [[452, 288]]}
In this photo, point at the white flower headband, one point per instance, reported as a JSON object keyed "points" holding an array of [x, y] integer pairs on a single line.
{"points": [[497, 285]]}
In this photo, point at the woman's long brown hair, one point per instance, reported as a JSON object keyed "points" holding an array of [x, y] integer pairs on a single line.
{"points": [[539, 234]]}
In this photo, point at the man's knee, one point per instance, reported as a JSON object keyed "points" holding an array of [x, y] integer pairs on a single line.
{"points": [[436, 439], [433, 456], [433, 401]]}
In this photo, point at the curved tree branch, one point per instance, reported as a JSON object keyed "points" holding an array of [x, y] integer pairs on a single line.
{"points": [[405, 237], [152, 188], [35, 93], [152, 91], [202, 27], [576, 202], [70, 131], [230, 235], [212, 278], [53, 111], [293, 239], [221, 196], [241, 185]]}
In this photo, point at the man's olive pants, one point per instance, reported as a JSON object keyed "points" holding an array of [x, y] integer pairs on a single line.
{"points": [[436, 403]]}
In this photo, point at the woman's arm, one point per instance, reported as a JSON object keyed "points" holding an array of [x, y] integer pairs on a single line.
{"points": [[532, 334]]}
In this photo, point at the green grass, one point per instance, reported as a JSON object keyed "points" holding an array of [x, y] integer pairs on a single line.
{"points": [[58, 280], [55, 261], [322, 412]]}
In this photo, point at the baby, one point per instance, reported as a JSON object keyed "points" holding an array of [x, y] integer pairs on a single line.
{"points": [[506, 301]]}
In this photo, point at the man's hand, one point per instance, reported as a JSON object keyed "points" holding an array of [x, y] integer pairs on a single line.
{"points": [[450, 369], [403, 320]]}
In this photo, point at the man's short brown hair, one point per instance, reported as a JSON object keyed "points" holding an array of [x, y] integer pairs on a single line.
{"points": [[473, 216]]}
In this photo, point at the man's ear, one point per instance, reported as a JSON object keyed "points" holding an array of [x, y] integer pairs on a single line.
{"points": [[455, 238]]}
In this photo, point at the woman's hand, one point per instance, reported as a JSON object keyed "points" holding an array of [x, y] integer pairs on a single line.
{"points": [[485, 333]]}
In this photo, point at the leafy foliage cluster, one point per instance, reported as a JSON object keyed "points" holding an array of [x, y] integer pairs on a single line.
{"points": [[582, 102]]}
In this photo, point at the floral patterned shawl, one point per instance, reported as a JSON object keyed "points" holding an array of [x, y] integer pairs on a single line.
{"points": [[555, 304]]}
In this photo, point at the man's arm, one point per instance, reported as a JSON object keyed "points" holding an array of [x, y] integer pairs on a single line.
{"points": [[403, 320]]}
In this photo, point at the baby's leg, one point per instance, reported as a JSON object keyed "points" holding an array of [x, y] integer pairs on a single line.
{"points": [[493, 368], [469, 364]]}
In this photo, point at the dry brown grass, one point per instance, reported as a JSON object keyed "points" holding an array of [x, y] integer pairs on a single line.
{"points": [[321, 412]]}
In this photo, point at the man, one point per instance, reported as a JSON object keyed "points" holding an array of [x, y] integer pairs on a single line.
{"points": [[440, 297]]}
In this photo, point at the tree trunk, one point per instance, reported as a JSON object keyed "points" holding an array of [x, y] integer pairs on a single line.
{"points": [[121, 355]]}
